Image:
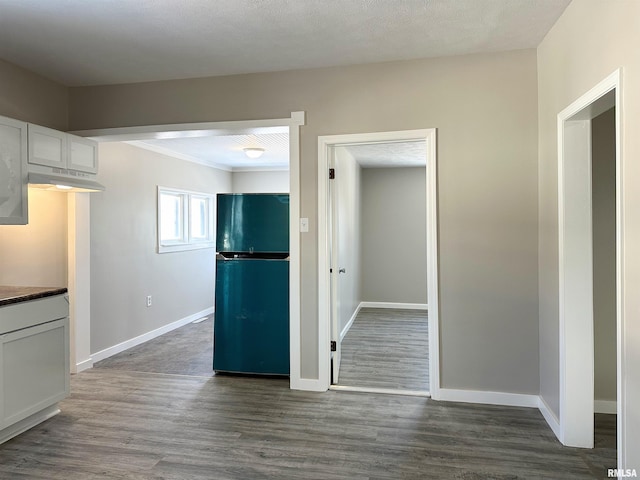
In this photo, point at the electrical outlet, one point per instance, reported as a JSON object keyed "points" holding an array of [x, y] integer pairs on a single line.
{"points": [[148, 300]]}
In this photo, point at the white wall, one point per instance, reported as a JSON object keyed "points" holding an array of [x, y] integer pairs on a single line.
{"points": [[347, 183], [394, 235], [36, 254], [603, 162], [125, 267], [260, 182]]}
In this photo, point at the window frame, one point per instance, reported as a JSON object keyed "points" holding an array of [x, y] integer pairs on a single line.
{"points": [[187, 241]]}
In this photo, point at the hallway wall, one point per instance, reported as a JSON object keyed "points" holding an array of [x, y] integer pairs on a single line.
{"points": [[394, 235]]}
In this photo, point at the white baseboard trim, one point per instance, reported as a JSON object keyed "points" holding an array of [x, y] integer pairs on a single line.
{"points": [[550, 417], [121, 347], [401, 306], [84, 365], [350, 322], [489, 398], [605, 406]]}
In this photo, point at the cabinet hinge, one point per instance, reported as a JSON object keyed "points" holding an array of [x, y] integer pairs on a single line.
{"points": [[332, 173]]}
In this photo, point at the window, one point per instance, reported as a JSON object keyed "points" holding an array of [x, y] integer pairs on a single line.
{"points": [[185, 220]]}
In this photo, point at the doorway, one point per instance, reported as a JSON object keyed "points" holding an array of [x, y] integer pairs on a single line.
{"points": [[285, 125], [331, 268], [577, 191]]}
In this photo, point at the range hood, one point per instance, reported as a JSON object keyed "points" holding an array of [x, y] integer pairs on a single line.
{"points": [[63, 183]]}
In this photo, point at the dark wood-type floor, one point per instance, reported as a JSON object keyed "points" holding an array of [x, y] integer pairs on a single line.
{"points": [[386, 348], [187, 350], [124, 424]]}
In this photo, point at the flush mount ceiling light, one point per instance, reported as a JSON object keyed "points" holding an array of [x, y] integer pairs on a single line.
{"points": [[253, 152]]}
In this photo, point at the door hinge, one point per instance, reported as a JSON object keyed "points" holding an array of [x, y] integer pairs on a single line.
{"points": [[334, 346], [332, 173]]}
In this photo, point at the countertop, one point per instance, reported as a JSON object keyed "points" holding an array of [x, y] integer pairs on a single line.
{"points": [[10, 295]]}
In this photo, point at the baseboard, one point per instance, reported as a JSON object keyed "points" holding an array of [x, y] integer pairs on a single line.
{"points": [[400, 306], [346, 328], [121, 347], [84, 365], [550, 417], [488, 398], [605, 406]]}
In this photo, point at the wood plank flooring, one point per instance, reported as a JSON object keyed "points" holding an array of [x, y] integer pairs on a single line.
{"points": [[187, 350], [120, 423], [386, 348]]}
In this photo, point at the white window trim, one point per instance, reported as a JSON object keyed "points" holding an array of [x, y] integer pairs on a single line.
{"points": [[187, 242]]}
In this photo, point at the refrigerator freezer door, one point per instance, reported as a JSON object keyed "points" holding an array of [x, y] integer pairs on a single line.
{"points": [[251, 328], [252, 223]]}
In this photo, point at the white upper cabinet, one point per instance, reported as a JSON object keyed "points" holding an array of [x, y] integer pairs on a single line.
{"points": [[53, 148], [47, 147], [13, 172], [83, 154]]}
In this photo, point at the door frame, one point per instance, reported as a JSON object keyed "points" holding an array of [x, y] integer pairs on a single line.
{"points": [[324, 299], [80, 224], [576, 360]]}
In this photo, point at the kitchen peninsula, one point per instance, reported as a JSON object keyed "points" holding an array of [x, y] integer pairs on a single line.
{"points": [[34, 356]]}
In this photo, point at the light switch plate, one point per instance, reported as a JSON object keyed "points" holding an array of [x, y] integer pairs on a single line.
{"points": [[304, 225]]}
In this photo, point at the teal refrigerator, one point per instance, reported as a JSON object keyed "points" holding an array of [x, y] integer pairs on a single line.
{"points": [[251, 326]]}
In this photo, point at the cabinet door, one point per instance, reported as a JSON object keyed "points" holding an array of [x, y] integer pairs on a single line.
{"points": [[47, 147], [34, 370], [13, 172], [83, 154]]}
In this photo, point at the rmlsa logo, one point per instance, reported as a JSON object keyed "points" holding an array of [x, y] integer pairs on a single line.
{"points": [[622, 473]]}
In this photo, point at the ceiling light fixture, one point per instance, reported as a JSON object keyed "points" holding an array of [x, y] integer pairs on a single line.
{"points": [[253, 152]]}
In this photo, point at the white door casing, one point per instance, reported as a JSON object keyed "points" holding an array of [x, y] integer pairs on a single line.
{"points": [[575, 259], [325, 154]]}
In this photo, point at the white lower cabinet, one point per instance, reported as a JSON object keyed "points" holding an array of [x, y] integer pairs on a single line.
{"points": [[34, 366]]}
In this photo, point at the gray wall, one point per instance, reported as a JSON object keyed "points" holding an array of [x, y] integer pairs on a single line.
{"points": [[260, 182], [486, 179], [394, 235], [603, 160], [125, 267], [31, 98], [347, 183], [36, 254], [598, 38]]}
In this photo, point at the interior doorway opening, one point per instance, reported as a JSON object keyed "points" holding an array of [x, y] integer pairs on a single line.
{"points": [[590, 244], [341, 296], [176, 131]]}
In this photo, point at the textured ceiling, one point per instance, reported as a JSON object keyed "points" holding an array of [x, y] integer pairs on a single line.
{"points": [[397, 154], [91, 42], [226, 151]]}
